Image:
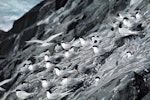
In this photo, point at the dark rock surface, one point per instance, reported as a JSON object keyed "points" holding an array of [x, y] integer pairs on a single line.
{"points": [[120, 78]]}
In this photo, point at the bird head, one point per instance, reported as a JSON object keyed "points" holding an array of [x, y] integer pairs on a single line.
{"points": [[43, 79], [126, 18], [95, 46], [17, 90], [76, 66], [24, 82], [49, 90], [97, 78], [112, 29], [120, 25], [56, 69], [95, 41]]}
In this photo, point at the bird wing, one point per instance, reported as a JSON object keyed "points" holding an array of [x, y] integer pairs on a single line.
{"points": [[130, 32], [126, 32], [52, 37], [34, 41], [27, 62], [5, 81], [76, 43], [72, 41], [64, 94], [24, 95], [46, 44], [2, 89]]}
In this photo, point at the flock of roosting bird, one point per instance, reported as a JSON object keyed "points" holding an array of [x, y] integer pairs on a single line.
{"points": [[71, 78]]}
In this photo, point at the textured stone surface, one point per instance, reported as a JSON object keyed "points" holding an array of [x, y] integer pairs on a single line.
{"points": [[121, 78]]}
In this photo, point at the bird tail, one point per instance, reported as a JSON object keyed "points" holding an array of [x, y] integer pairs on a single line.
{"points": [[72, 41], [64, 94], [134, 32]]}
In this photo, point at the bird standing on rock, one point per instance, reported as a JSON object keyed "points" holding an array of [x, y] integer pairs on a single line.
{"points": [[72, 82], [84, 68], [139, 16], [24, 86], [23, 94], [70, 54], [98, 51], [66, 46], [63, 73], [49, 66], [96, 81], [24, 69], [126, 32], [55, 96], [129, 23], [47, 84], [32, 67], [46, 57], [58, 48], [85, 43]]}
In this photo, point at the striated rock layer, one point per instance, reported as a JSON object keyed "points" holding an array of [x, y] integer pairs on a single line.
{"points": [[122, 77]]}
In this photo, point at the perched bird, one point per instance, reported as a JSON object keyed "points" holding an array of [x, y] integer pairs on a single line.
{"points": [[72, 49], [119, 17], [98, 51], [46, 57], [72, 82], [111, 33], [27, 62], [50, 66], [95, 39], [66, 46], [70, 53], [56, 96], [41, 55], [63, 73], [114, 24], [24, 86], [126, 32], [127, 54], [72, 43], [58, 48], [55, 59], [33, 67], [47, 84], [76, 43], [139, 16], [96, 81], [85, 68], [129, 23], [24, 95], [24, 69], [85, 43]]}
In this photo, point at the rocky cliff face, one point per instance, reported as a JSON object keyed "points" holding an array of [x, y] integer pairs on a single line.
{"points": [[123, 66]]}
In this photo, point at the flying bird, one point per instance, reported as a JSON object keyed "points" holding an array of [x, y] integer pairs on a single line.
{"points": [[45, 42]]}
